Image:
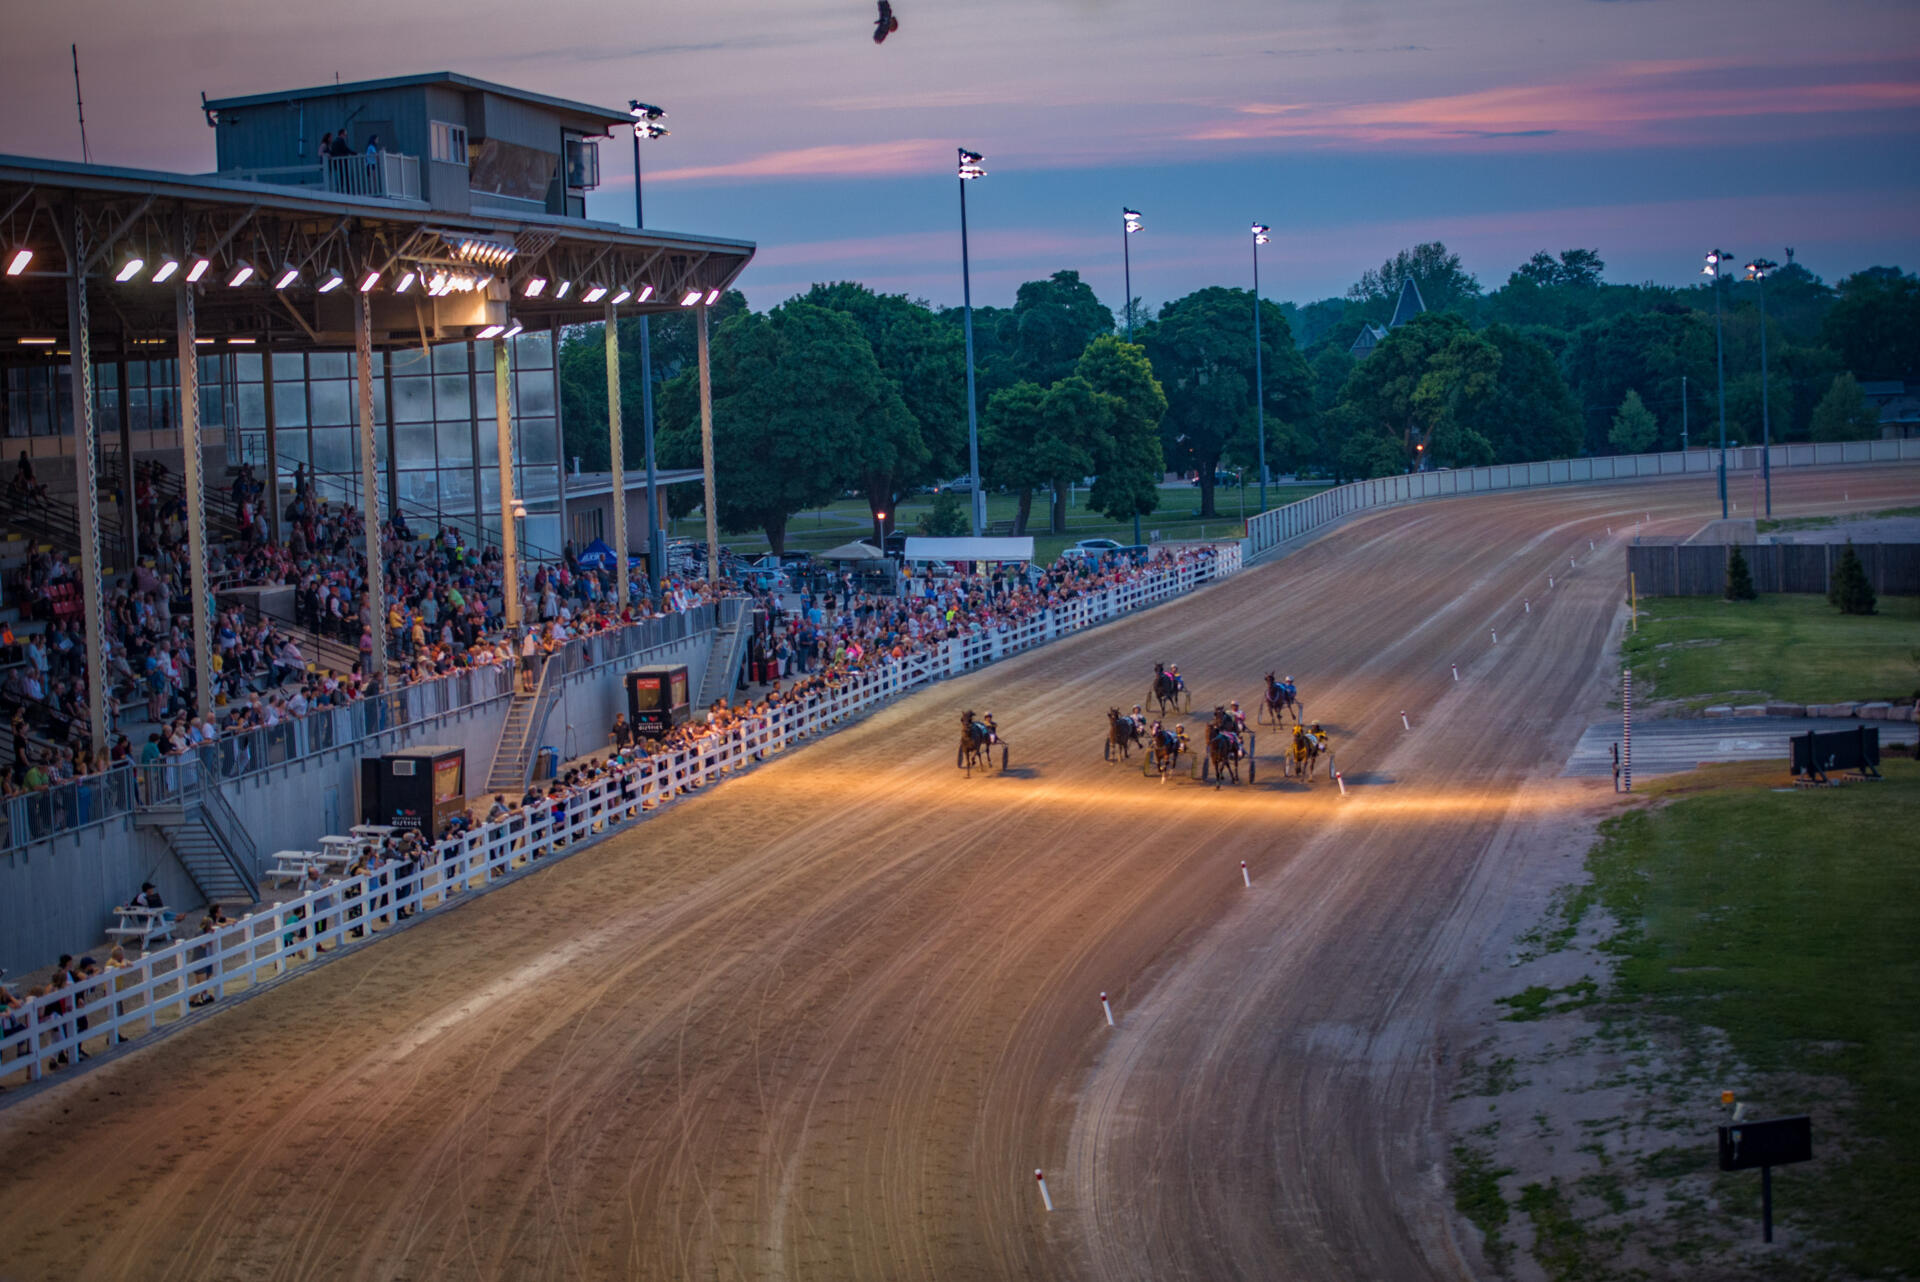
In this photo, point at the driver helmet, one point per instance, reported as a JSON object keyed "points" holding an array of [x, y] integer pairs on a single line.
{"points": [[1180, 729], [1316, 728], [1235, 705], [1136, 707]]}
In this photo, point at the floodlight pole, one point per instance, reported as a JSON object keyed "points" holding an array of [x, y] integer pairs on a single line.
{"points": [[656, 540], [976, 498], [1128, 222], [1760, 269], [1259, 378], [1720, 365]]}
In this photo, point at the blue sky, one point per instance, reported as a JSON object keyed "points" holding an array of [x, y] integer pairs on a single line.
{"points": [[1649, 129]]}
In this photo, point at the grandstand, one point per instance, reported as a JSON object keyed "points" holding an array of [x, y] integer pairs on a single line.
{"points": [[285, 479]]}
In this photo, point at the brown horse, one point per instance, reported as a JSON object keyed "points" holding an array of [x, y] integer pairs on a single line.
{"points": [[1303, 754], [1166, 746], [1122, 734], [1281, 698], [1168, 690], [1227, 745], [977, 742]]}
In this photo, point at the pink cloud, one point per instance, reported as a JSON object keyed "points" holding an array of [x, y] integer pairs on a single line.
{"points": [[907, 156]]}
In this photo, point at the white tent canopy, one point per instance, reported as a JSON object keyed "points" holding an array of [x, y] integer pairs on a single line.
{"points": [[919, 549], [853, 552]]}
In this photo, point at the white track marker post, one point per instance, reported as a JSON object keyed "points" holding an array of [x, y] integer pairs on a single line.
{"points": [[1456, 670], [1404, 723], [1107, 1006], [1549, 583], [1045, 1200], [1496, 635], [1529, 605], [1342, 782], [1245, 876]]}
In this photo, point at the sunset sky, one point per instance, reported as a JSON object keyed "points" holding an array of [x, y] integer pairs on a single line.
{"points": [[1648, 129]]}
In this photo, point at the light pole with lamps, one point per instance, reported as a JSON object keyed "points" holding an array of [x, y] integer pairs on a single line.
{"points": [[1129, 224], [646, 124], [970, 168], [1714, 258], [1260, 238], [1757, 271]]}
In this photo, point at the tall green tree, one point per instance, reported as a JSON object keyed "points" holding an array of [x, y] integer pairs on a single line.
{"points": [[924, 360], [1648, 352], [1129, 468], [1634, 428], [1009, 455], [1844, 413], [796, 394], [1053, 321], [1444, 284], [1429, 384], [1201, 347], [1531, 414], [1875, 323]]}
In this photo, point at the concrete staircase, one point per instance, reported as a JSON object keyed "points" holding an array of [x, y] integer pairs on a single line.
{"points": [[210, 842], [723, 664], [513, 753]]}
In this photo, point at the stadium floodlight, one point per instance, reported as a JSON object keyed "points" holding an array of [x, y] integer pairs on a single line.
{"points": [[561, 290], [288, 276], [513, 330], [622, 296], [333, 281], [406, 281], [1260, 236], [368, 281], [491, 331], [486, 250], [38, 342], [536, 287], [594, 294], [1130, 218], [199, 269], [129, 269], [646, 120], [240, 342], [692, 296], [1714, 258], [164, 272], [17, 260], [646, 292], [970, 166], [713, 296], [242, 273]]}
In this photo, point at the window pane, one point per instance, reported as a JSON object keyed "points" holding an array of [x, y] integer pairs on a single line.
{"points": [[450, 358], [483, 399], [536, 392], [450, 398], [290, 404], [456, 441], [490, 490], [246, 366], [413, 446], [409, 360], [456, 489], [292, 448], [333, 449], [420, 487], [289, 365], [412, 400], [327, 365], [331, 403], [536, 440], [489, 444], [533, 350]]}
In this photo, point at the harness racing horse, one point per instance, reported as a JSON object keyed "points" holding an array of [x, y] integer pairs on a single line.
{"points": [[1122, 734], [1281, 697], [1226, 749], [1303, 754], [1165, 747], [977, 742], [1168, 690]]}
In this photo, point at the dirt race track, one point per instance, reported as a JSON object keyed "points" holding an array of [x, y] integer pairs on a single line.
{"points": [[824, 1021]]}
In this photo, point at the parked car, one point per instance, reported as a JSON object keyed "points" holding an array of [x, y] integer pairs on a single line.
{"points": [[958, 485], [1094, 548]]}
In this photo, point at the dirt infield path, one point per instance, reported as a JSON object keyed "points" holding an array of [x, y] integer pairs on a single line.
{"points": [[824, 1021]]}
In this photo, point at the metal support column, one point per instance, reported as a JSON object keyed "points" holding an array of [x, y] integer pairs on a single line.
{"points": [[617, 455], [656, 514], [370, 484], [560, 435], [706, 447], [129, 516], [193, 483], [87, 493], [273, 448], [509, 526]]}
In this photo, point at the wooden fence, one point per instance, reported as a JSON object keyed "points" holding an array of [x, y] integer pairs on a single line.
{"points": [[1700, 569]]}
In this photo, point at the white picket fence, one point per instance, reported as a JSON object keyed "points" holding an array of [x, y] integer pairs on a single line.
{"points": [[161, 986], [1283, 523]]}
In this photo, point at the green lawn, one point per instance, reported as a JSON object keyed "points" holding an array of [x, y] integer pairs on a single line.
{"points": [[1176, 519], [1795, 648], [1787, 921], [1827, 522]]}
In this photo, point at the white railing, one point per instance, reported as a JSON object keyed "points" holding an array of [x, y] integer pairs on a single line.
{"points": [[385, 173], [163, 986], [1283, 523]]}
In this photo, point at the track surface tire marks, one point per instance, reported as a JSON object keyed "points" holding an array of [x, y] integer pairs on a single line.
{"points": [[825, 1021]]}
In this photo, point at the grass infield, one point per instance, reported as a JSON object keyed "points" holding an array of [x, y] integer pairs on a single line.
{"points": [[1703, 651]]}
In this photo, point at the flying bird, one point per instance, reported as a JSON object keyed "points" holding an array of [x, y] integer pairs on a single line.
{"points": [[886, 24]]}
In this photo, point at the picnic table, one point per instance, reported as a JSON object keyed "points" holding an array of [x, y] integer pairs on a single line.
{"points": [[142, 924], [290, 865], [378, 832]]}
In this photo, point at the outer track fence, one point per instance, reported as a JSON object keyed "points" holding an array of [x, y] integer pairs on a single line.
{"points": [[1700, 569], [162, 986], [1283, 523]]}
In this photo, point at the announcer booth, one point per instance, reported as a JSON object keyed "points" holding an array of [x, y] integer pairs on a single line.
{"points": [[657, 699], [419, 789]]}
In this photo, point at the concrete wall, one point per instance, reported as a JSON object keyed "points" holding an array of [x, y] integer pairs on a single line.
{"points": [[58, 896]]}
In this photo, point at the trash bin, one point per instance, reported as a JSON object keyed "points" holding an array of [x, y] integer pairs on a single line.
{"points": [[546, 763]]}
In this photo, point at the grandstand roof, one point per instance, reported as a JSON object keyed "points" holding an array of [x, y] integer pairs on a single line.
{"points": [[452, 79], [127, 213]]}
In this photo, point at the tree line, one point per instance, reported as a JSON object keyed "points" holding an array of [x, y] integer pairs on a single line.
{"points": [[842, 389]]}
